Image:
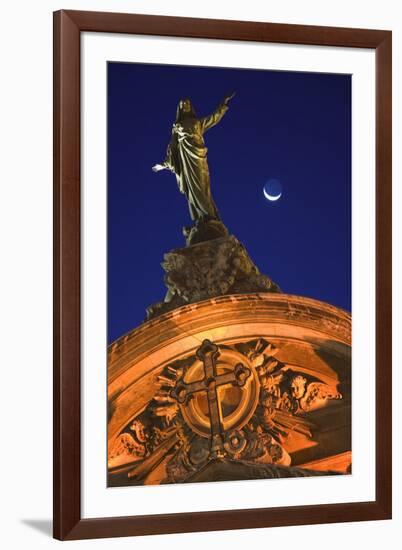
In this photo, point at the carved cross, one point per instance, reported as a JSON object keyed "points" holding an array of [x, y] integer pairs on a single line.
{"points": [[182, 392]]}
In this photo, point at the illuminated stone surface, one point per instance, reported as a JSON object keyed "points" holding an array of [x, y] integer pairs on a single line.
{"points": [[293, 409]]}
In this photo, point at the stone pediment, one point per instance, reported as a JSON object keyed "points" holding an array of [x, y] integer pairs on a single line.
{"points": [[259, 380]]}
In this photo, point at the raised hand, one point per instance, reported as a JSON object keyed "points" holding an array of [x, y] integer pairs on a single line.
{"points": [[158, 167], [227, 98]]}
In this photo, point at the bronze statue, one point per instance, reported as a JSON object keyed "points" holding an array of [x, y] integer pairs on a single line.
{"points": [[187, 158], [213, 263]]}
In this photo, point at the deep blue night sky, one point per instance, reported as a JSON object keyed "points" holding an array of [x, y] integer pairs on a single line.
{"points": [[295, 127]]}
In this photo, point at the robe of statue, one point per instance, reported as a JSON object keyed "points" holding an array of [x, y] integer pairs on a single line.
{"points": [[187, 158]]}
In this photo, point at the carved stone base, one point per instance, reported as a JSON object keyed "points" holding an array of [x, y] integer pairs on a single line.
{"points": [[209, 269]]}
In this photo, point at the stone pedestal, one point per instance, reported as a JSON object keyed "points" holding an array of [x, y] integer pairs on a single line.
{"points": [[209, 269]]}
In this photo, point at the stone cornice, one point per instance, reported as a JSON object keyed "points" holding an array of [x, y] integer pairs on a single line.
{"points": [[242, 309]]}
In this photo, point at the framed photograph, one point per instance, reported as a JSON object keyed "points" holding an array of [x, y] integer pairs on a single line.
{"points": [[222, 265]]}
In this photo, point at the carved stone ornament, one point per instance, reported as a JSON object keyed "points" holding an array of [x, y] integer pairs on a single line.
{"points": [[208, 269], [227, 405]]}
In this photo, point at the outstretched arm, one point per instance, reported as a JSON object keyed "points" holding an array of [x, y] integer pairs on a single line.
{"points": [[217, 115], [167, 164], [159, 167]]}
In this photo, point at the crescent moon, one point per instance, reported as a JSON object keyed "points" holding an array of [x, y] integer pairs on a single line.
{"points": [[271, 197]]}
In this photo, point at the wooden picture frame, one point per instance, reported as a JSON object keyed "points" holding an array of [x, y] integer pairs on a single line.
{"points": [[68, 26]]}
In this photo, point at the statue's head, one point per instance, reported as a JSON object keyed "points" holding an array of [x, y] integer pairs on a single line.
{"points": [[298, 386], [185, 109]]}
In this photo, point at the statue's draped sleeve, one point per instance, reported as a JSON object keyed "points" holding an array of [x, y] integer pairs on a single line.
{"points": [[174, 162], [209, 121]]}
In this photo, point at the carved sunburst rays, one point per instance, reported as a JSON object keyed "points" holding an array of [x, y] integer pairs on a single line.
{"points": [[160, 419], [163, 405], [287, 389], [259, 351], [270, 371], [273, 415], [162, 435], [261, 355]]}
